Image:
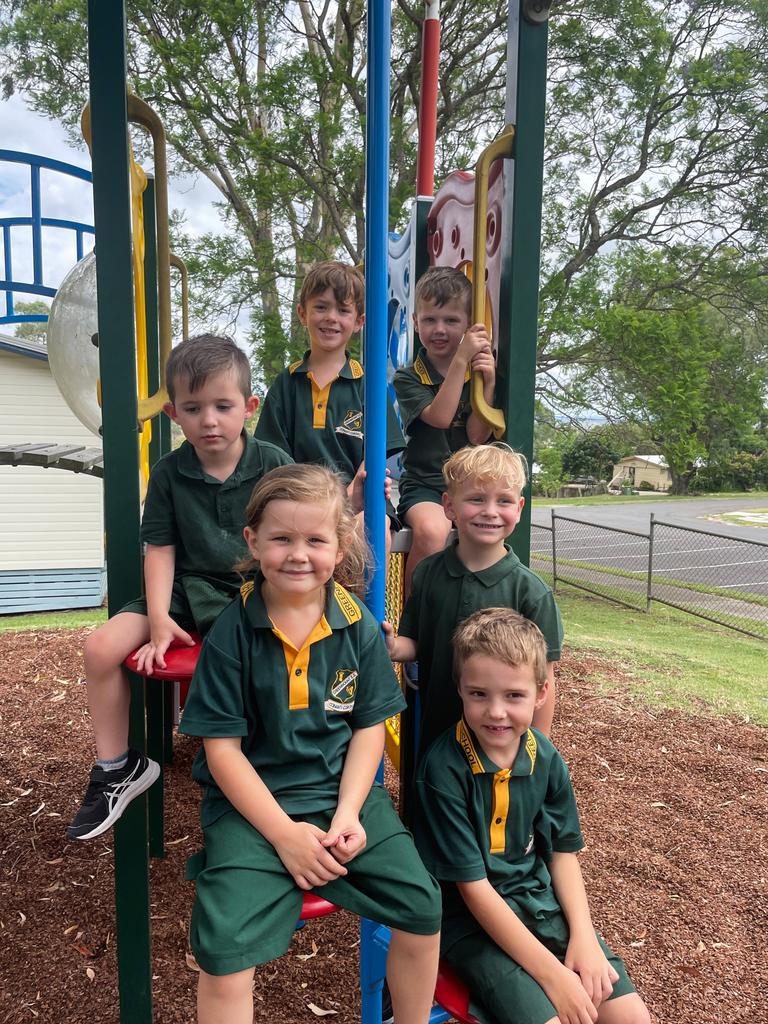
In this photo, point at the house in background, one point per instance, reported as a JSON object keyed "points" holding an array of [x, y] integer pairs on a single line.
{"points": [[638, 469], [51, 521]]}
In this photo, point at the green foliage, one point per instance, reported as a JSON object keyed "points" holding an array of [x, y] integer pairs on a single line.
{"points": [[32, 331], [591, 454]]}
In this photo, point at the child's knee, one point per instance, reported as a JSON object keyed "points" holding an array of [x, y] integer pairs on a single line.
{"points": [[431, 532], [414, 945], [99, 651], [627, 1009], [226, 987]]}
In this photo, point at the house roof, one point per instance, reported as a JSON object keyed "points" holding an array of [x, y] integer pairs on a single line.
{"points": [[653, 460], [22, 347]]}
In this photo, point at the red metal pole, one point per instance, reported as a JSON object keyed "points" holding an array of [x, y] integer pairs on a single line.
{"points": [[430, 60]]}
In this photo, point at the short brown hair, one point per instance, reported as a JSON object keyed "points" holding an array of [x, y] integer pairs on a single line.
{"points": [[346, 283], [504, 635], [441, 285], [198, 358], [485, 463], [308, 482]]}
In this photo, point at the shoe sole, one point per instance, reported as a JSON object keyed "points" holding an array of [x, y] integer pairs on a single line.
{"points": [[136, 788]]}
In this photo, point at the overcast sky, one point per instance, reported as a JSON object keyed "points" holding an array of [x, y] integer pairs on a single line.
{"points": [[68, 198]]}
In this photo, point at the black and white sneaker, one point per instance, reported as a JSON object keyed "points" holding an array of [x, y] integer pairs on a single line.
{"points": [[109, 793], [387, 1014]]}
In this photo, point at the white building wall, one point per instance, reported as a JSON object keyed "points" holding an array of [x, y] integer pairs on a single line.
{"points": [[49, 518]]}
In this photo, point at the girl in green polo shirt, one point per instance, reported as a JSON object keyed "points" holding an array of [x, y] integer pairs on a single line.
{"points": [[290, 696]]}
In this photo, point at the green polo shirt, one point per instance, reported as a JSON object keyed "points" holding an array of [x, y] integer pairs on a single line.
{"points": [[444, 593], [416, 387], [201, 516], [323, 425], [475, 820], [294, 710]]}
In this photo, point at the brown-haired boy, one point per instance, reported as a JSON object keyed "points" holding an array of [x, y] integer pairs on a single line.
{"points": [[433, 397], [497, 825], [483, 499], [192, 526], [314, 408]]}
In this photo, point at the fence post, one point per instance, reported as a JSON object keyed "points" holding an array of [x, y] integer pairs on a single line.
{"points": [[554, 560], [649, 588]]}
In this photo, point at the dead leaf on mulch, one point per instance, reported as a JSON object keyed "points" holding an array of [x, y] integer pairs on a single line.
{"points": [[319, 1011], [308, 956], [192, 964]]}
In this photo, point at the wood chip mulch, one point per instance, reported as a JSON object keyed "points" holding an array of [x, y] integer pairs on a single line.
{"points": [[674, 809]]}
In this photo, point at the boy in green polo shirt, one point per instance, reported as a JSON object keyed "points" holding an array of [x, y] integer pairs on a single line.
{"points": [[483, 499], [497, 825], [192, 526], [433, 397], [314, 408]]}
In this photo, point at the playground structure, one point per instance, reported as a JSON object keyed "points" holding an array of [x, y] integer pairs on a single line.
{"points": [[507, 236]]}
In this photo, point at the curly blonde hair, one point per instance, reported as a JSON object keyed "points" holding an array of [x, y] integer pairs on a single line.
{"points": [[486, 464], [307, 482]]}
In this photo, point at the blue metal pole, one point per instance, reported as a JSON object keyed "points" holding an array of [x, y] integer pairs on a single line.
{"points": [[373, 937], [376, 257], [37, 234]]}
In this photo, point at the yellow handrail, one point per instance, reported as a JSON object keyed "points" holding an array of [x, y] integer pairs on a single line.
{"points": [[501, 147], [178, 263], [141, 113]]}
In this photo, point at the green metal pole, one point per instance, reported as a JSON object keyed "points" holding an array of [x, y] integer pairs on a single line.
{"points": [[111, 200], [155, 690], [521, 242]]}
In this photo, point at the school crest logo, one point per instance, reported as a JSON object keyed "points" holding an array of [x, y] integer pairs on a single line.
{"points": [[352, 424], [343, 690]]}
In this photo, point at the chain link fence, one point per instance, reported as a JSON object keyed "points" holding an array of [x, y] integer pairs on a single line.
{"points": [[714, 576]]}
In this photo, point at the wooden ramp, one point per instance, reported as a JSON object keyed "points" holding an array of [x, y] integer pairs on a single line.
{"points": [[77, 458]]}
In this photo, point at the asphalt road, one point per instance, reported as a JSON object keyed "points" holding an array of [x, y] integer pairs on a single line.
{"points": [[724, 561]]}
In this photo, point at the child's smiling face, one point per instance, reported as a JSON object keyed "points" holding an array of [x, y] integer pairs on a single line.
{"points": [[484, 512], [499, 703], [296, 545], [329, 323], [441, 328]]}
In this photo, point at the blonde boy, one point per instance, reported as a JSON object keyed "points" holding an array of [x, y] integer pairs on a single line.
{"points": [[483, 500], [497, 825], [433, 397]]}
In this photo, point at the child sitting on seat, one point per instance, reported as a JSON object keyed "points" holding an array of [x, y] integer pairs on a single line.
{"points": [[433, 397], [192, 526], [497, 825], [290, 694]]}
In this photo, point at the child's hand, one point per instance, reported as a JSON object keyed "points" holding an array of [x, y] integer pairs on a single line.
{"points": [[302, 852], [162, 635], [475, 340], [389, 639], [485, 364], [569, 998], [345, 837], [356, 489], [586, 958]]}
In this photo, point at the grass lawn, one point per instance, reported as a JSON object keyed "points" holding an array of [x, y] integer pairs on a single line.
{"points": [[622, 499], [674, 659], [54, 620]]}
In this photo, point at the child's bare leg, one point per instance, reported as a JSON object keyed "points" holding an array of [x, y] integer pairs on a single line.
{"points": [[225, 999], [430, 528], [412, 974], [108, 691], [628, 1009]]}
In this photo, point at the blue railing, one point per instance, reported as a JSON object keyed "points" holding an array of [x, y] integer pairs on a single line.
{"points": [[37, 222]]}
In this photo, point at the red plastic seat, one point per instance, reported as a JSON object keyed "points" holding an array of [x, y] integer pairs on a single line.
{"points": [[180, 662], [452, 995], [315, 906]]}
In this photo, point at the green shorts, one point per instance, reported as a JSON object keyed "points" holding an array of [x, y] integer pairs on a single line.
{"points": [[501, 992], [196, 603], [412, 492], [247, 905]]}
